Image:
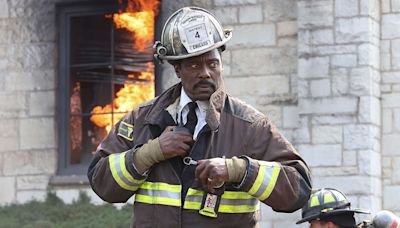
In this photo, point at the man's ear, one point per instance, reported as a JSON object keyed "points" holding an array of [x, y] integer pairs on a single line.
{"points": [[177, 68]]}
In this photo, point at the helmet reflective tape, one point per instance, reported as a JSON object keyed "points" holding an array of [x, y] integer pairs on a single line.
{"points": [[314, 201], [328, 198]]}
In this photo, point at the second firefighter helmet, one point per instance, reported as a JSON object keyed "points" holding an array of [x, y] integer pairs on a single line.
{"points": [[326, 202], [190, 31]]}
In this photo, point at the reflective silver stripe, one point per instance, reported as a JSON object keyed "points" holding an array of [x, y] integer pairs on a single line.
{"points": [[160, 193], [237, 202], [265, 182], [119, 171], [194, 198]]}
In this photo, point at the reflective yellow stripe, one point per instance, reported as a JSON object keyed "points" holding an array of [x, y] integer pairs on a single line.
{"points": [[158, 200], [161, 186], [259, 180], [125, 172], [238, 208], [116, 176], [231, 201], [272, 182]]}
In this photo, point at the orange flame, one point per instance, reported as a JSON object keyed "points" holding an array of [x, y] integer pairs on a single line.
{"points": [[139, 19]]}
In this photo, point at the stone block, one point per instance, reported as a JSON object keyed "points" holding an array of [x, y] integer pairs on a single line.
{"points": [[396, 119], [346, 8], [7, 195], [396, 171], [42, 103], [303, 134], [372, 202], [361, 81], [261, 35], [287, 28], [30, 80], [303, 88], [391, 100], [321, 155], [33, 29], [12, 104], [386, 88], [344, 60], [291, 117], [386, 162], [227, 15], [8, 134], [36, 182], [327, 134], [395, 6], [313, 14], [27, 196], [32, 56], [354, 184], [38, 133], [396, 88], [333, 119], [368, 55], [30, 162], [370, 8], [358, 137], [250, 14], [369, 110], [385, 6], [369, 163], [340, 85], [317, 37], [317, 67], [3, 9], [9, 143], [385, 61], [325, 171], [395, 55], [390, 26], [349, 158], [391, 144], [264, 61], [207, 4], [391, 199], [287, 41], [234, 2], [337, 105], [331, 50], [262, 85], [348, 30], [275, 11], [320, 88]]}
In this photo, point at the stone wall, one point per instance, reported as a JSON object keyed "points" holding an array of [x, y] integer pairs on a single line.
{"points": [[27, 99], [390, 88]]}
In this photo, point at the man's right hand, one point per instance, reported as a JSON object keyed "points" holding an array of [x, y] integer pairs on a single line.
{"points": [[175, 143]]}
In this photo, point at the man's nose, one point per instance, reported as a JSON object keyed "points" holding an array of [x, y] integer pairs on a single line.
{"points": [[204, 71]]}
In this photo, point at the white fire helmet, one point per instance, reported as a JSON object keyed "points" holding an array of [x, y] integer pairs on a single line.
{"points": [[190, 31]]}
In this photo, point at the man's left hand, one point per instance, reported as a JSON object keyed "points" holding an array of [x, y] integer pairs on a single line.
{"points": [[212, 173]]}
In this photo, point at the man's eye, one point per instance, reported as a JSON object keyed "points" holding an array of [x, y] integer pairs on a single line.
{"points": [[194, 66], [213, 64]]}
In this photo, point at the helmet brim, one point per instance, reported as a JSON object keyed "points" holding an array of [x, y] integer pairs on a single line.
{"points": [[331, 213]]}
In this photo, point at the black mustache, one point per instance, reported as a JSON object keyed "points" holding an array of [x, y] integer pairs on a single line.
{"points": [[204, 82]]}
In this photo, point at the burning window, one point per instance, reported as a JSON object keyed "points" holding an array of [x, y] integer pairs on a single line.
{"points": [[107, 65]]}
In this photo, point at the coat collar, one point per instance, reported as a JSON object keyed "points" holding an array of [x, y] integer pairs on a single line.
{"points": [[169, 96]]}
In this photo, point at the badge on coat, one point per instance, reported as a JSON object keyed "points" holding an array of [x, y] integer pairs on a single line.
{"points": [[125, 130]]}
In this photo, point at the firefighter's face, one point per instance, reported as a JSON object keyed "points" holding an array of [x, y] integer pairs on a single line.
{"points": [[322, 224], [201, 75]]}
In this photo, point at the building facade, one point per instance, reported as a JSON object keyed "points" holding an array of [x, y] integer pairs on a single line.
{"points": [[327, 72]]}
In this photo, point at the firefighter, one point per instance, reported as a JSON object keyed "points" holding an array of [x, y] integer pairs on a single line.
{"points": [[196, 156], [329, 208]]}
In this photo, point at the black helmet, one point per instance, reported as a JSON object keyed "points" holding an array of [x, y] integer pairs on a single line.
{"points": [[327, 203]]}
